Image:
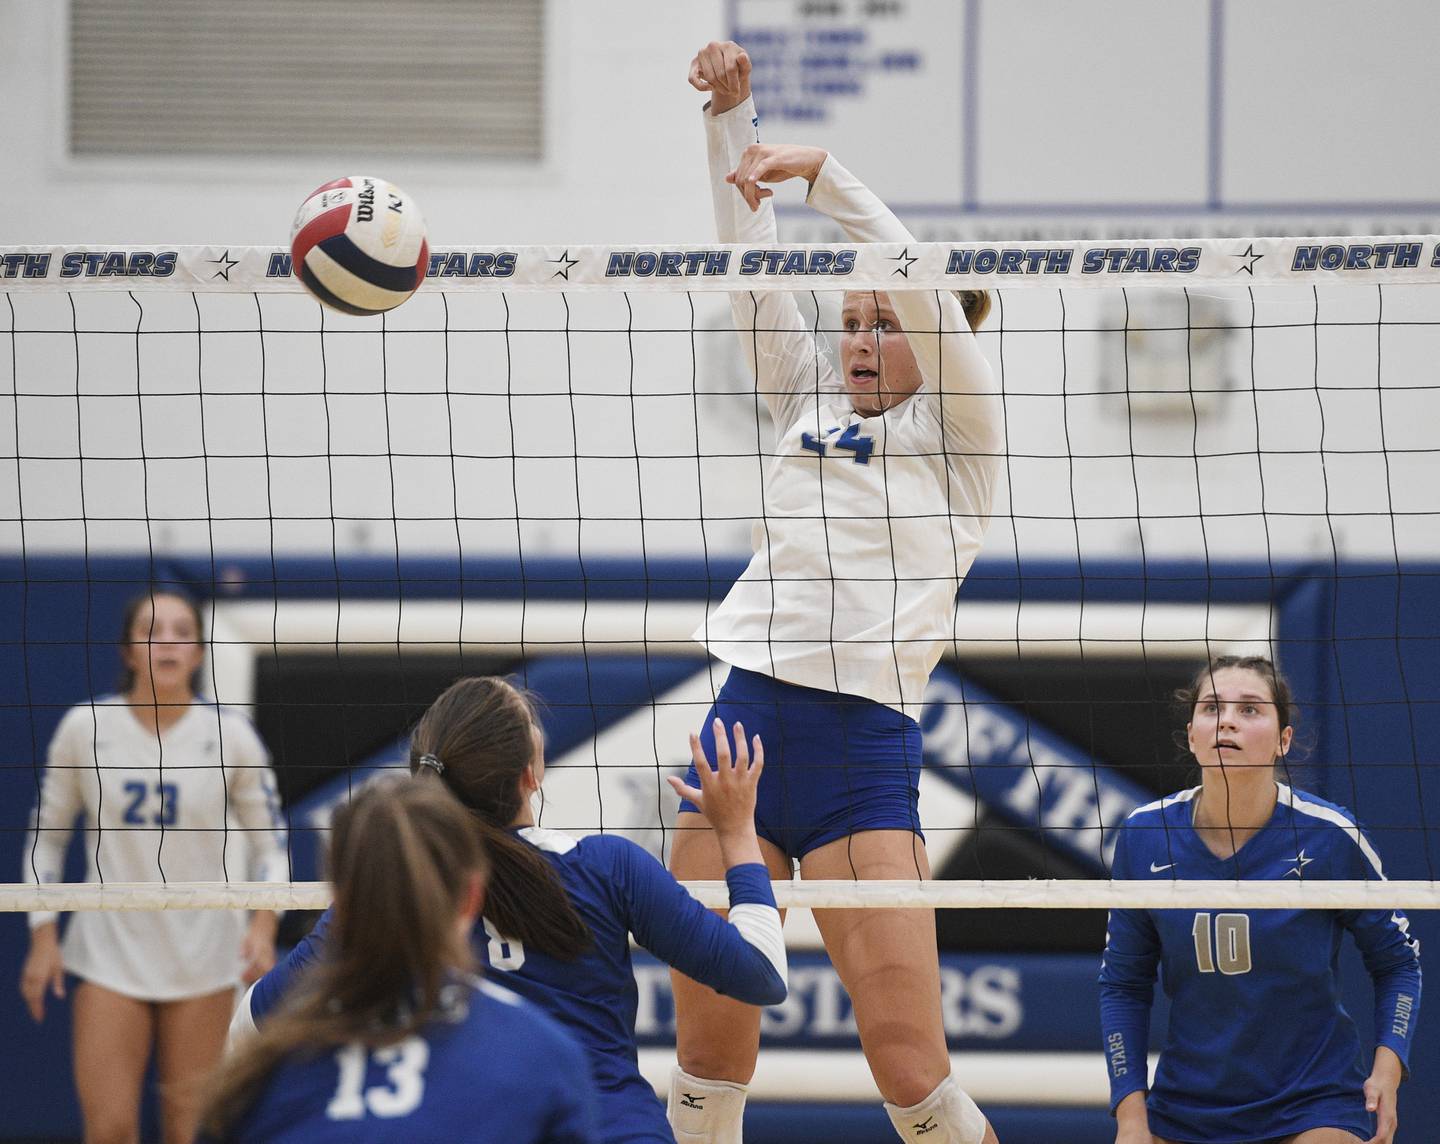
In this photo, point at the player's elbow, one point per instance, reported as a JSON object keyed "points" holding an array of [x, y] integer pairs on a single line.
{"points": [[767, 987]]}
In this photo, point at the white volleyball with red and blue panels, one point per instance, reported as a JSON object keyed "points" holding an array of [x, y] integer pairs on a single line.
{"points": [[358, 244]]}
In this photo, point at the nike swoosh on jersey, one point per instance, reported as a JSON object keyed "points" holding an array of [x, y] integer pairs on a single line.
{"points": [[1154, 869]]}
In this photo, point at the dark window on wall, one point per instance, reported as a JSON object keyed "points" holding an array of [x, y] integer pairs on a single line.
{"points": [[1119, 711], [320, 716]]}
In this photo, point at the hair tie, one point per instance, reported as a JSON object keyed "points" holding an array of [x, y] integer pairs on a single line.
{"points": [[432, 762]]}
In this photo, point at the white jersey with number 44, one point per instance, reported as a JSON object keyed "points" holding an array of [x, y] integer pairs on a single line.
{"points": [[870, 523]]}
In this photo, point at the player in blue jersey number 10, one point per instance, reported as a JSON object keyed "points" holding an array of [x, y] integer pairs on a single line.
{"points": [[1259, 1048]]}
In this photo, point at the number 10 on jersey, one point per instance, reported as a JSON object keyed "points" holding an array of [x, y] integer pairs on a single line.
{"points": [[1228, 948]]}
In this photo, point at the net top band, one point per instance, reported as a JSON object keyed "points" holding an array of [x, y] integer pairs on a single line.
{"points": [[1214, 263]]}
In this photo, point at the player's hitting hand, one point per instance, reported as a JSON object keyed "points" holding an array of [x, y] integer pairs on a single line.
{"points": [[722, 69], [774, 163], [727, 793]]}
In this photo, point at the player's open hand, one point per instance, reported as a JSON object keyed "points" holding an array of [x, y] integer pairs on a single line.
{"points": [[722, 69], [44, 971], [773, 163], [727, 793]]}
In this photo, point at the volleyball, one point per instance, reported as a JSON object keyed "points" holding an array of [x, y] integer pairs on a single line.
{"points": [[358, 244]]}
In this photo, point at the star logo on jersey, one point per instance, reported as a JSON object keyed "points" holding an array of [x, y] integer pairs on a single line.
{"points": [[690, 1100], [1300, 863], [1248, 253], [906, 260], [225, 264], [566, 264]]}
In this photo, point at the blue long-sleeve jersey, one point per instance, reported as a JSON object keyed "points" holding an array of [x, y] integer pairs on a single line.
{"points": [[492, 1069], [618, 889], [1259, 1044]]}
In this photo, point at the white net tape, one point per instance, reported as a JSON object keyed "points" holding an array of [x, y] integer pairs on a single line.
{"points": [[1036, 893], [1229, 262]]}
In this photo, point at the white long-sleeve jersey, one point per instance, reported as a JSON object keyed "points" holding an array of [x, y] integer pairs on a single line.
{"points": [[870, 523], [196, 804]]}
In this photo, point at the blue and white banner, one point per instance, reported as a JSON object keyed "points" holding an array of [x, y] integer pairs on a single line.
{"points": [[1001, 1001], [1216, 262]]}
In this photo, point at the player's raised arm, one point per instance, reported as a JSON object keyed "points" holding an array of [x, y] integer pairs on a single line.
{"points": [[938, 327], [777, 343]]}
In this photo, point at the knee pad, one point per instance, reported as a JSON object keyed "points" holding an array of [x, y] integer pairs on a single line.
{"points": [[705, 1111], [946, 1116]]}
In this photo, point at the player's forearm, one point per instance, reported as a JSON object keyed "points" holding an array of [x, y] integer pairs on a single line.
{"points": [[739, 847], [1125, 1027], [765, 979], [1397, 1009], [1387, 1068], [727, 134]]}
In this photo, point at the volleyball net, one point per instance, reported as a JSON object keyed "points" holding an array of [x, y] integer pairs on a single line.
{"points": [[549, 462]]}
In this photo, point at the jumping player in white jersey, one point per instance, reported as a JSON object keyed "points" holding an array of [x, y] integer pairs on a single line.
{"points": [[559, 911], [1259, 1047], [171, 788], [876, 504], [391, 1037]]}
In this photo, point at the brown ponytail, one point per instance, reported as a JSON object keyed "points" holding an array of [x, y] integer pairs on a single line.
{"points": [[976, 304], [403, 857], [484, 735]]}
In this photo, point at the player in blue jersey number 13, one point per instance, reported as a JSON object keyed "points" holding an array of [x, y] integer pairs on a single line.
{"points": [[1259, 1049], [391, 1037], [877, 496]]}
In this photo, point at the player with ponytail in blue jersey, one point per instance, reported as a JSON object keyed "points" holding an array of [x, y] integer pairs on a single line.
{"points": [[559, 911], [1259, 1048], [391, 1037]]}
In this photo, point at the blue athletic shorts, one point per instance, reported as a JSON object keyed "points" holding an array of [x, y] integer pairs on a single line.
{"points": [[834, 764]]}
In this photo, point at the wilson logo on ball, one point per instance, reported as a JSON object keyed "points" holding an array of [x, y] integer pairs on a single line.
{"points": [[359, 246]]}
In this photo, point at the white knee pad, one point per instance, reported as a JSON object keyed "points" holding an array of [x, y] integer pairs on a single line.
{"points": [[705, 1111], [946, 1116]]}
